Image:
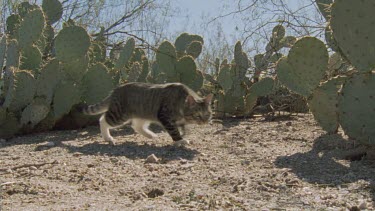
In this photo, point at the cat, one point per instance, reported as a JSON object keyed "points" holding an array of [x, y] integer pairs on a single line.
{"points": [[171, 105]]}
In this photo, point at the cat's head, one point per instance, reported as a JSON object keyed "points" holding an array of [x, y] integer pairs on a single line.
{"points": [[198, 111]]}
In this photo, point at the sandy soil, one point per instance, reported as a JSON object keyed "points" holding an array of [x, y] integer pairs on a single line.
{"points": [[236, 164]]}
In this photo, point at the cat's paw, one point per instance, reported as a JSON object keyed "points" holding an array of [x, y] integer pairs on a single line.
{"points": [[181, 143], [110, 140]]}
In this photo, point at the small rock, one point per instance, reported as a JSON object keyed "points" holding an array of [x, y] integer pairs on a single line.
{"points": [[33, 168], [50, 144], [288, 124], [155, 193], [77, 154], [363, 206], [152, 159]]}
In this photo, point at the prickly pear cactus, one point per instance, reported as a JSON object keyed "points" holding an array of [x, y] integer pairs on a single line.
{"points": [[31, 59], [50, 76], [76, 68], [10, 126], [194, 49], [97, 84], [356, 107], [324, 8], [21, 90], [3, 46], [166, 59], [35, 112], [224, 77], [263, 87], [183, 43], [323, 102], [189, 75], [71, 42], [67, 94], [352, 27], [133, 73], [53, 10], [126, 53], [13, 23], [31, 28], [305, 66], [25, 7]]}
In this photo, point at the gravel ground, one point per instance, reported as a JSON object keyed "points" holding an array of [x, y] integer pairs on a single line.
{"points": [[236, 164]]}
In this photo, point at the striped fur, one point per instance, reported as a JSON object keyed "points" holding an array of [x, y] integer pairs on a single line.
{"points": [[170, 105]]}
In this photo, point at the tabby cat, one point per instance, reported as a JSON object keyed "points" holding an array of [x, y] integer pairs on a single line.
{"points": [[170, 105]]}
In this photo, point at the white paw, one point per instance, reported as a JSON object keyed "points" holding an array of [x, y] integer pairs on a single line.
{"points": [[110, 140], [181, 143]]}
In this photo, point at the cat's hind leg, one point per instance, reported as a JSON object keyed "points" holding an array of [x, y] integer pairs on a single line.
{"points": [[141, 127], [104, 130]]}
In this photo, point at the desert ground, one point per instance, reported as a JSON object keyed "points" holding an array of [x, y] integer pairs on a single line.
{"points": [[232, 164]]}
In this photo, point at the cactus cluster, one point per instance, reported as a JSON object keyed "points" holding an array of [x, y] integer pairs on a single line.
{"points": [[175, 63]]}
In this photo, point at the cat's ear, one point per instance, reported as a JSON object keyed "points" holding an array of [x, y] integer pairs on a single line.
{"points": [[190, 101], [208, 99]]}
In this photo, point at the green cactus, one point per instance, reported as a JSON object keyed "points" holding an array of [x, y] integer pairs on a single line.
{"points": [[126, 53], [97, 84], [25, 7], [46, 40], [53, 10], [3, 46], [48, 79], [12, 54], [322, 104], [224, 77], [145, 70], [188, 73], [250, 102], [71, 42], [31, 28], [194, 49], [352, 29], [241, 60], [166, 59], [288, 41], [133, 73], [324, 8], [76, 68], [305, 66], [31, 59], [67, 94], [10, 126], [21, 90], [263, 87], [13, 23], [184, 40], [356, 106], [278, 32], [35, 112], [330, 40]]}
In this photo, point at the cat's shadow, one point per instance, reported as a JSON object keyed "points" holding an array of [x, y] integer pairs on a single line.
{"points": [[134, 150]]}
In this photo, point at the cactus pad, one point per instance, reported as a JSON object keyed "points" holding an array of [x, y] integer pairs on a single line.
{"points": [[35, 112], [53, 10], [224, 78], [353, 29], [125, 54], [76, 68], [31, 58], [48, 79], [166, 59], [323, 104], [13, 23], [21, 90], [31, 28], [305, 66], [97, 84], [189, 75], [194, 49], [263, 87], [3, 46], [10, 126], [67, 94], [71, 42], [356, 107]]}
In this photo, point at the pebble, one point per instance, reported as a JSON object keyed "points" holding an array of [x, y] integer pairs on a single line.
{"points": [[152, 159], [363, 206], [50, 144], [33, 168]]}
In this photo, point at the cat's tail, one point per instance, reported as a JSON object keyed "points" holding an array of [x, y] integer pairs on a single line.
{"points": [[95, 109]]}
